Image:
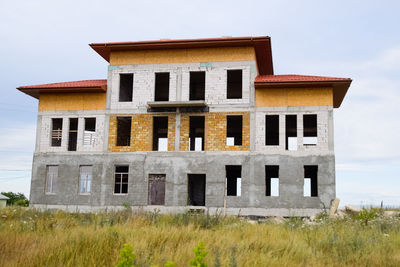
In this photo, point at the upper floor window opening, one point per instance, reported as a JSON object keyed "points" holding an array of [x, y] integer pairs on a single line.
{"points": [[234, 84], [125, 87], [197, 85], [310, 136], [56, 131], [161, 91]]}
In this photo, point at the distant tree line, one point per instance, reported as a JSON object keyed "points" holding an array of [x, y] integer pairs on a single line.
{"points": [[17, 199]]}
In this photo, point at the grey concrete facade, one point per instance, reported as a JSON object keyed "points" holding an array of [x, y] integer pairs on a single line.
{"points": [[176, 165]]}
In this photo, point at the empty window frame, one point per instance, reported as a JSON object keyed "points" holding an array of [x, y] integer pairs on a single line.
{"points": [[234, 125], [125, 87], [56, 132], [310, 137], [51, 178], [85, 179], [310, 181], [156, 189], [272, 180], [234, 84], [90, 131], [197, 85], [72, 134], [233, 180], [196, 189], [291, 132], [161, 91], [272, 130], [124, 131], [121, 179], [160, 133], [196, 133]]}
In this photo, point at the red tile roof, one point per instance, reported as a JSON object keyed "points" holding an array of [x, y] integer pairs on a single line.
{"points": [[296, 78], [74, 84], [85, 86]]}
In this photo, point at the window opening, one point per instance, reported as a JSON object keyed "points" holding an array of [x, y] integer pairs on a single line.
{"points": [[121, 179], [234, 84], [311, 181], [85, 179], [234, 130], [233, 180], [291, 132], [196, 133], [72, 134], [197, 85], [56, 132], [161, 86], [160, 133], [124, 131], [272, 130], [90, 130], [125, 87], [310, 137], [272, 180]]}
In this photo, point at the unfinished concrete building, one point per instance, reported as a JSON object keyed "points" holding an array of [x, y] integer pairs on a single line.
{"points": [[187, 124]]}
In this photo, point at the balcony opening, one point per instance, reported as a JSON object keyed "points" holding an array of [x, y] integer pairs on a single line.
{"points": [[234, 125], [291, 132], [272, 180], [160, 133], [197, 86], [161, 86], [272, 130], [156, 189], [234, 84], [72, 134], [311, 181], [124, 131], [196, 189], [121, 179], [90, 131], [196, 133], [125, 87], [310, 137], [233, 180], [56, 132]]}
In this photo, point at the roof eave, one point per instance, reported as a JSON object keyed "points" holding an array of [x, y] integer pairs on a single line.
{"points": [[340, 88], [35, 92]]}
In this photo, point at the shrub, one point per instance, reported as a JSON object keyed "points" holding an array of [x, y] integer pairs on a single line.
{"points": [[200, 254], [127, 256]]}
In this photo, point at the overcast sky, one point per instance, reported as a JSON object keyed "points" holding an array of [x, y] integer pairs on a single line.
{"points": [[47, 41]]}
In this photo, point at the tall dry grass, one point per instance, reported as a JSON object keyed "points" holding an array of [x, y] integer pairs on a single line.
{"points": [[32, 238]]}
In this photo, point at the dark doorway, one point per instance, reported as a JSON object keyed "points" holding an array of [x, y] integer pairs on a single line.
{"points": [[196, 189], [233, 180], [196, 133], [160, 133], [156, 189], [161, 86], [311, 174], [125, 87]]}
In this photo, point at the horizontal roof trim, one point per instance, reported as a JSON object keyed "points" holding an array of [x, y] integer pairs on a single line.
{"points": [[339, 85], [261, 44], [84, 86]]}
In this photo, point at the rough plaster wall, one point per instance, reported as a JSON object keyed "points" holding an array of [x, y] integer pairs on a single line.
{"points": [[45, 133]]}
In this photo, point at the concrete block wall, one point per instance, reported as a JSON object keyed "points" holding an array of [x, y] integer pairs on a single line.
{"points": [[144, 82], [44, 133], [176, 168], [324, 128]]}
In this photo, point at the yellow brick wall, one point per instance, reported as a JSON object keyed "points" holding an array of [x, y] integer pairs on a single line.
{"points": [[167, 56], [215, 132], [293, 97], [72, 101], [141, 133]]}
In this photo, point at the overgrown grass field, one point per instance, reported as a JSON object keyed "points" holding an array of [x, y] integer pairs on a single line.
{"points": [[32, 238]]}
